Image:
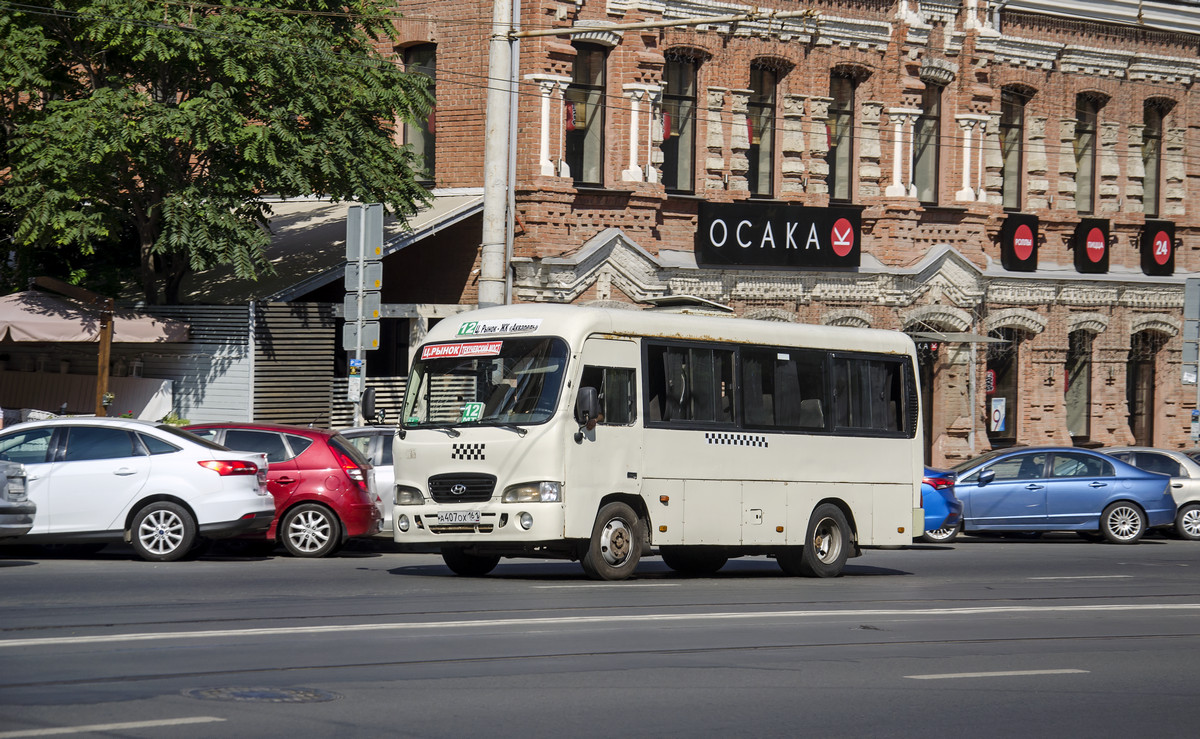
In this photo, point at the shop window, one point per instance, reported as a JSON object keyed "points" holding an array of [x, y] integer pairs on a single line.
{"points": [[840, 132], [1000, 386], [679, 124], [583, 117], [1087, 112], [760, 114], [420, 135], [1077, 390], [926, 142], [1012, 137], [1139, 384], [1151, 157]]}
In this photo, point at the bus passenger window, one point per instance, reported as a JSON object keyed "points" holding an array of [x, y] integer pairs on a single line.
{"points": [[690, 384]]}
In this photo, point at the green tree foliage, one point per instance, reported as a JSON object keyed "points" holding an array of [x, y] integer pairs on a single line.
{"points": [[149, 133]]}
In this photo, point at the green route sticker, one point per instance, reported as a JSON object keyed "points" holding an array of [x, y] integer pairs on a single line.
{"points": [[471, 412]]}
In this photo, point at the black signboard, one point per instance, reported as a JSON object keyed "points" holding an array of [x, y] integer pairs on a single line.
{"points": [[759, 234], [1158, 248], [1091, 246], [1019, 243]]}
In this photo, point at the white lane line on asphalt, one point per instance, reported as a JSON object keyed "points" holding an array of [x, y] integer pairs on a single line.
{"points": [[527, 623], [1083, 577], [609, 585], [1009, 673], [61, 730]]}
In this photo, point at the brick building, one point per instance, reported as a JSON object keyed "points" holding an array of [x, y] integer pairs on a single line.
{"points": [[1007, 181]]}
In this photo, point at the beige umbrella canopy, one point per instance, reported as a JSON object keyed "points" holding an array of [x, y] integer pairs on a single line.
{"points": [[38, 316]]}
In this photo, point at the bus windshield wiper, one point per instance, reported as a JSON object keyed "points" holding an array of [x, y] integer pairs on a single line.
{"points": [[450, 430], [513, 427]]}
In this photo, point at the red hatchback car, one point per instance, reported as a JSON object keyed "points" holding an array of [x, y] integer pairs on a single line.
{"points": [[320, 482]]}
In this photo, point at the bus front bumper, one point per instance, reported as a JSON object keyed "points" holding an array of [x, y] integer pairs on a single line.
{"points": [[515, 523]]}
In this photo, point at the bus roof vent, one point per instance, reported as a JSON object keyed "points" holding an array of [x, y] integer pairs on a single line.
{"points": [[687, 304]]}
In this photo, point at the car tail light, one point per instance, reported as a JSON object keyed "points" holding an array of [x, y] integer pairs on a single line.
{"points": [[224, 467], [353, 471], [938, 483]]}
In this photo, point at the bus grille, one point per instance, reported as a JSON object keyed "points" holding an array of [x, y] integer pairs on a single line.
{"points": [[461, 488]]}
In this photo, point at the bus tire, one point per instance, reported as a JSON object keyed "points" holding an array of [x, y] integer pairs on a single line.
{"points": [[469, 565], [826, 545], [615, 547], [693, 560]]}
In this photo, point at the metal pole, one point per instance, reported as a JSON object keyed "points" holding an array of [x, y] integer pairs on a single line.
{"points": [[492, 268], [359, 353]]}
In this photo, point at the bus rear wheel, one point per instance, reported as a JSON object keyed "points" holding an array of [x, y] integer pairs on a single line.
{"points": [[468, 565], [615, 547], [826, 545], [693, 560]]}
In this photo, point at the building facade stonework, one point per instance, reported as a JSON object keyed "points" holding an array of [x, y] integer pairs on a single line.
{"points": [[937, 131]]}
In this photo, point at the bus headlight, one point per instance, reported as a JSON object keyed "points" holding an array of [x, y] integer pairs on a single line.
{"points": [[526, 521], [402, 523], [533, 492], [404, 495]]}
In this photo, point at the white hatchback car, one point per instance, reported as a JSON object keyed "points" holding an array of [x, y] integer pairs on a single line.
{"points": [[159, 488]]}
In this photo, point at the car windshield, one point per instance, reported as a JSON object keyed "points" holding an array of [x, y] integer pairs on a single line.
{"points": [[490, 383]]}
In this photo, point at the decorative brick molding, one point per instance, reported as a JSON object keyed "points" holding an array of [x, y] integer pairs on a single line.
{"points": [[1093, 323], [770, 314], [941, 316], [1162, 323], [1018, 318], [847, 317]]}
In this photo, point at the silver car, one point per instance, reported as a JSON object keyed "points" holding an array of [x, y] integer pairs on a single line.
{"points": [[375, 442], [16, 509], [1184, 472]]}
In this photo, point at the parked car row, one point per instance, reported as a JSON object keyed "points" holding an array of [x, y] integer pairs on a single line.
{"points": [[165, 490]]}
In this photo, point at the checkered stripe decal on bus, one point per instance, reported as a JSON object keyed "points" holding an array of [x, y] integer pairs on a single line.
{"points": [[736, 439], [467, 451]]}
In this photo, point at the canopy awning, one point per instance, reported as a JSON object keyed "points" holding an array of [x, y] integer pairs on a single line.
{"points": [[954, 337], [38, 316]]}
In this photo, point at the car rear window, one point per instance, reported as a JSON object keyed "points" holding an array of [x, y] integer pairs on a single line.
{"points": [[156, 445], [298, 444], [203, 437], [91, 442], [267, 442]]}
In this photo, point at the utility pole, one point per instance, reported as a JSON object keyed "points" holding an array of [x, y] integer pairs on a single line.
{"points": [[492, 268]]}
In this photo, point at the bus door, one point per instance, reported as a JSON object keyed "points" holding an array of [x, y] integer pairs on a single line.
{"points": [[608, 459]]}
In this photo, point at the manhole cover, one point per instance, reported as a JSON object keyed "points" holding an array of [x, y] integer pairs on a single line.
{"points": [[262, 695]]}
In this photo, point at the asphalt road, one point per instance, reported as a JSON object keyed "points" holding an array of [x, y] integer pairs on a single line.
{"points": [[1050, 637]]}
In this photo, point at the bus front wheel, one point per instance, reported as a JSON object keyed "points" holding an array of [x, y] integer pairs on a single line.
{"points": [[826, 545], [615, 548]]}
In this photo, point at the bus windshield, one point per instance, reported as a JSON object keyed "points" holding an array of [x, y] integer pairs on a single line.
{"points": [[492, 382]]}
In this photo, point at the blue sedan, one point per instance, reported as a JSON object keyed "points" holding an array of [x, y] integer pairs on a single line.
{"points": [[943, 510], [1062, 489]]}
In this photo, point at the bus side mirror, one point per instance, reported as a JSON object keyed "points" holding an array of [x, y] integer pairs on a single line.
{"points": [[587, 411], [368, 404]]}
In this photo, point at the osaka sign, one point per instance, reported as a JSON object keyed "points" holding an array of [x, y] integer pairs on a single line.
{"points": [[1019, 243], [1158, 248], [753, 234]]}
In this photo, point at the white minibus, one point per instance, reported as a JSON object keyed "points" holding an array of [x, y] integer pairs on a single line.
{"points": [[602, 435]]}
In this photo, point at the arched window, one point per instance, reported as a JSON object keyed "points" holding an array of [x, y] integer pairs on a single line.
{"points": [[1077, 388], [1139, 384], [584, 115], [1012, 138], [840, 127], [927, 140], [760, 113], [1087, 113], [421, 135], [679, 122], [1000, 387], [1152, 134]]}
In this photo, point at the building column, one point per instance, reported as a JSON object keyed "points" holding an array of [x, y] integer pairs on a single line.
{"points": [[818, 146], [1135, 173], [714, 140], [869, 155], [636, 94], [1038, 182], [1067, 170], [792, 141], [902, 118], [739, 142], [1108, 168], [968, 122], [547, 83], [1174, 172]]}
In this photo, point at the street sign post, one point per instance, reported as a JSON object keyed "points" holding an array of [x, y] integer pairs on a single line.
{"points": [[364, 277]]}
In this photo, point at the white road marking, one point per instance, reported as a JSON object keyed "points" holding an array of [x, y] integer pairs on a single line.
{"points": [[526, 623], [93, 728], [1009, 673], [1083, 577], [609, 585]]}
